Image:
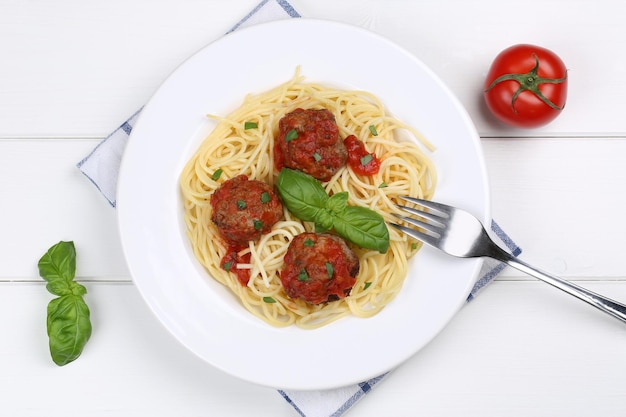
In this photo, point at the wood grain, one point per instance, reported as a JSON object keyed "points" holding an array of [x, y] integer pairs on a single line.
{"points": [[73, 71]]}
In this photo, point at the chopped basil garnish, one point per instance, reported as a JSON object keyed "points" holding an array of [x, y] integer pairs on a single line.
{"points": [[258, 224], [250, 125], [217, 174], [414, 246], [366, 159], [367, 285], [317, 157], [303, 276], [330, 270], [373, 130], [308, 242], [291, 135], [265, 197], [269, 300], [227, 266], [383, 185], [241, 204]]}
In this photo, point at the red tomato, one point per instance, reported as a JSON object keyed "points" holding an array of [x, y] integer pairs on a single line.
{"points": [[526, 86]]}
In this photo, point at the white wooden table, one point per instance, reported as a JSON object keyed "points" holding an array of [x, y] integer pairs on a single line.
{"points": [[71, 71]]}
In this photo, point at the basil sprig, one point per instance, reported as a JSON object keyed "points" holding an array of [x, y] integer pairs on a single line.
{"points": [[305, 197], [68, 322]]}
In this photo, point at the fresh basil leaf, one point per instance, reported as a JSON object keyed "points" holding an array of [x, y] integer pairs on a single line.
{"points": [[58, 267], [68, 320], [324, 221], [269, 300], [337, 202], [59, 287], [303, 195], [69, 328], [77, 289], [373, 130], [250, 125], [321, 229], [363, 227]]}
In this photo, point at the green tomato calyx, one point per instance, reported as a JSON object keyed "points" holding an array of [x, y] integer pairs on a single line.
{"points": [[529, 81]]}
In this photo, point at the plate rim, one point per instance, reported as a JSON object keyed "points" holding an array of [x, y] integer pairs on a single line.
{"points": [[140, 125]]}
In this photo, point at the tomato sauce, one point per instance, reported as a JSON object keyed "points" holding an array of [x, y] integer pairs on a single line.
{"points": [[361, 161], [231, 259]]}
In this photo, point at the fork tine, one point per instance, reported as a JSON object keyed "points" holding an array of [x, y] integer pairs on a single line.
{"points": [[416, 234], [431, 229], [433, 218], [442, 208]]}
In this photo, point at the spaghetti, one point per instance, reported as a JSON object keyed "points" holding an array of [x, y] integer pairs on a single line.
{"points": [[234, 148]]}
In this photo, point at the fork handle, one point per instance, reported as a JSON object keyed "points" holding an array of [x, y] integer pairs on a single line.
{"points": [[611, 307]]}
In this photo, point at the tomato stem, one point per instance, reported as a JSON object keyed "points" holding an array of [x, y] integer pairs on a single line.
{"points": [[529, 81]]}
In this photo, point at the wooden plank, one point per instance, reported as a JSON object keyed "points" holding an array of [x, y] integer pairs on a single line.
{"points": [[115, 56], [541, 189], [520, 349], [47, 199], [130, 366], [560, 199]]}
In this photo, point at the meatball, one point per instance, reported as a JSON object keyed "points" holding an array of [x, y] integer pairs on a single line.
{"points": [[308, 140], [318, 268], [244, 209]]}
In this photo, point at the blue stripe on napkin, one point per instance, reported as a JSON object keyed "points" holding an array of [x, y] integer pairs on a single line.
{"points": [[491, 268], [287, 8]]}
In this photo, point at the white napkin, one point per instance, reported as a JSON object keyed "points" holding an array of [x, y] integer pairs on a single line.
{"points": [[101, 167]]}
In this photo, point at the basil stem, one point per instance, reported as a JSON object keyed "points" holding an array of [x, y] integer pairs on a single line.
{"points": [[68, 323]]}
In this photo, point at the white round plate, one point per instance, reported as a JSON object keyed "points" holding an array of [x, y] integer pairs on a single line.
{"points": [[203, 315]]}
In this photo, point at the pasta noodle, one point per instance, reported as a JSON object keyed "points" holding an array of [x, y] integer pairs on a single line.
{"points": [[405, 170]]}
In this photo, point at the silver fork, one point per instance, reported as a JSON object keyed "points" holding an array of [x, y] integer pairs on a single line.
{"points": [[460, 234]]}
